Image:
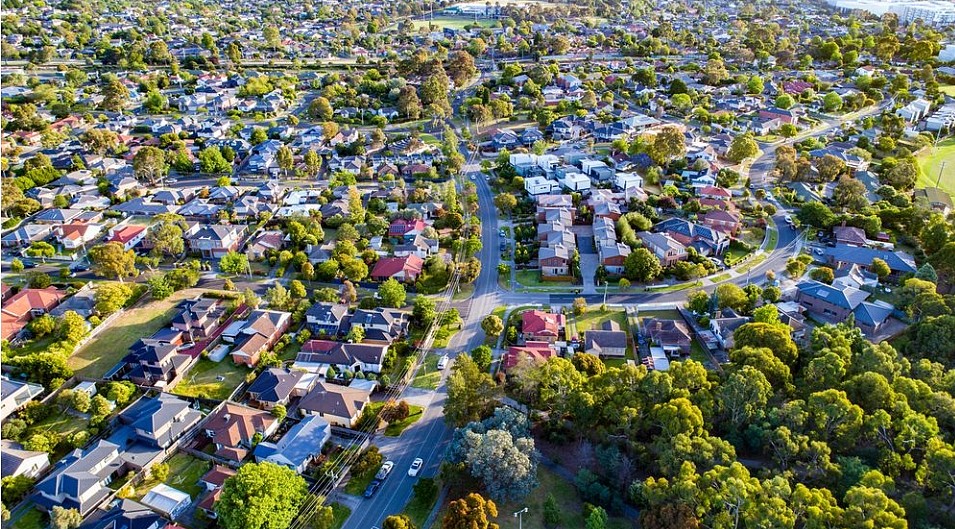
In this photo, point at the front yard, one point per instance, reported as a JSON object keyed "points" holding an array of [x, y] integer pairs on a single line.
{"points": [[212, 380], [593, 319], [110, 346], [184, 474], [428, 375]]}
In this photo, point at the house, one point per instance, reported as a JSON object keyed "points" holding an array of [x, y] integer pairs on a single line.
{"points": [[278, 385], [150, 363], [850, 236], [81, 479], [198, 317], [299, 447], [785, 116], [25, 305], [26, 235], [554, 260], [538, 185], [935, 199], [339, 405], [608, 341], [76, 235], [505, 139], [705, 240], [530, 351], [406, 229], [125, 514], [213, 482], [828, 302], [381, 325], [405, 269], [214, 241], [899, 263], [419, 246], [672, 335], [129, 236], [154, 424], [263, 243], [724, 221], [261, 330], [318, 356], [234, 428], [540, 326], [667, 249], [166, 500], [57, 216], [326, 319], [15, 395], [17, 461]]}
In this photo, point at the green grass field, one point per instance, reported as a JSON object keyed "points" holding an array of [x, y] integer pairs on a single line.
{"points": [[419, 507], [203, 380], [594, 318], [948, 89], [453, 22], [340, 514], [32, 519], [931, 163], [111, 345], [415, 414], [428, 375], [184, 474]]}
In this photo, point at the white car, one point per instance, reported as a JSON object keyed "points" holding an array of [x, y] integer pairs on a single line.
{"points": [[385, 470], [443, 362], [416, 467]]}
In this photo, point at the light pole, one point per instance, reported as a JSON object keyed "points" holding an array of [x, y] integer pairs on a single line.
{"points": [[520, 517]]}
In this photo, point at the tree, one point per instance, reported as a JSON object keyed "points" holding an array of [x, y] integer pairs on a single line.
{"points": [[261, 496], [667, 144], [408, 103], [80, 401], [111, 297], [472, 393], [42, 325], [61, 518], [71, 327], [320, 109], [149, 164], [278, 297], [115, 94], [111, 260], [470, 512], [398, 521], [742, 147], [551, 511], [285, 159], [901, 174], [823, 274], [212, 161], [41, 249], [714, 72], [482, 356], [492, 325], [279, 412], [100, 140], [160, 471], [642, 265], [832, 102], [506, 202], [460, 67], [234, 263], [785, 101], [816, 214], [313, 162], [775, 337], [880, 268], [392, 293], [850, 193], [424, 311], [597, 519]]}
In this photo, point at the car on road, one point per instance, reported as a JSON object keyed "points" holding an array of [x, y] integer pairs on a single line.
{"points": [[172, 181], [28, 263], [372, 488], [819, 251], [415, 467], [789, 219], [443, 362], [385, 470], [472, 177]]}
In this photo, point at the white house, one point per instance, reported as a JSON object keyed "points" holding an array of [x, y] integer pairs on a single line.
{"points": [[575, 181], [538, 185], [628, 180]]}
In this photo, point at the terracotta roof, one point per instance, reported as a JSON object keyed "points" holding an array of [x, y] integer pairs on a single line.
{"points": [[538, 351], [542, 323], [234, 424], [389, 266], [126, 234]]}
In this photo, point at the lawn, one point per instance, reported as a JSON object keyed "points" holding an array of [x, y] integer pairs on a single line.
{"points": [[212, 380], [357, 484], [753, 236], [931, 164], [734, 255], [948, 89], [442, 22], [419, 506], [428, 375], [677, 287], [62, 424], [340, 514], [571, 506], [594, 318], [184, 474], [415, 414], [32, 519], [532, 278], [755, 260], [111, 345], [721, 277], [697, 353]]}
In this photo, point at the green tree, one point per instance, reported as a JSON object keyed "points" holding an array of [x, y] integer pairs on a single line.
{"points": [[41, 249], [482, 356], [551, 511], [279, 412], [160, 471], [641, 265], [392, 293], [212, 161], [742, 147], [111, 260], [71, 327], [880, 268], [832, 102], [61, 518], [398, 521], [816, 214], [472, 393], [470, 512], [597, 519], [261, 496], [320, 109], [149, 164], [492, 325], [234, 263]]}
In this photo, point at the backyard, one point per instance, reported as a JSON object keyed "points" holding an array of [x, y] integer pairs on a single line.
{"points": [[593, 319], [931, 164], [212, 380], [111, 345], [184, 474]]}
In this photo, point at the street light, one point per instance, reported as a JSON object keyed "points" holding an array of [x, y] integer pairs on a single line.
{"points": [[520, 517]]}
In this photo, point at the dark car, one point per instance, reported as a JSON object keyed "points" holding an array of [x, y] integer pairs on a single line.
{"points": [[372, 488], [28, 263]]}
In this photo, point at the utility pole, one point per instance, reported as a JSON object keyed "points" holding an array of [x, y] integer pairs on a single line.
{"points": [[940, 169]]}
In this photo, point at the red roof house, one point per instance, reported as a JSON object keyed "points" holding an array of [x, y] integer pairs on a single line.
{"points": [[536, 351], [406, 269], [128, 236], [714, 192], [540, 326], [25, 305]]}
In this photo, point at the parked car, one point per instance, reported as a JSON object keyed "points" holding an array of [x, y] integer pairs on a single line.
{"points": [[443, 362], [384, 470], [372, 488], [415, 467]]}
